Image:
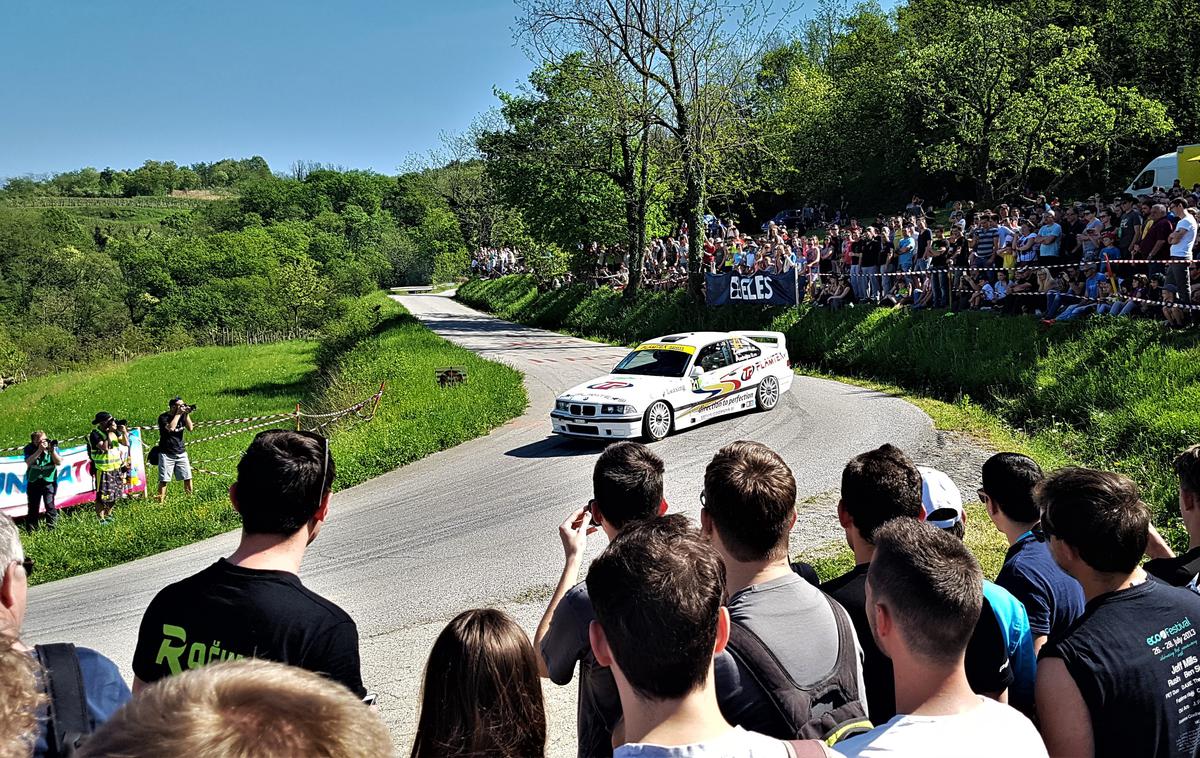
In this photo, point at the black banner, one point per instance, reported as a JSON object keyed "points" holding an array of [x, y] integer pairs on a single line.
{"points": [[763, 289]]}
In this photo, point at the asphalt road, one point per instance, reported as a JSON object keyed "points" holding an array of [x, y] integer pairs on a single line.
{"points": [[477, 525]]}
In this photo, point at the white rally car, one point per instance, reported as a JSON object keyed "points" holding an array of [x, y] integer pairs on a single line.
{"points": [[675, 382]]}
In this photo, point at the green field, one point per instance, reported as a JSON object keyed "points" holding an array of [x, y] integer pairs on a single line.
{"points": [[375, 342]]}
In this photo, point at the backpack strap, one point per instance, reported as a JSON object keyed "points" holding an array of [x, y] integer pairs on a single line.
{"points": [[68, 715], [769, 673], [804, 749]]}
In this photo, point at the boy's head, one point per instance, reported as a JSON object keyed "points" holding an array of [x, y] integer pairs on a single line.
{"points": [[1095, 518], [1187, 468], [657, 591], [283, 482], [878, 486], [924, 592], [1008, 483], [750, 501], [627, 484]]}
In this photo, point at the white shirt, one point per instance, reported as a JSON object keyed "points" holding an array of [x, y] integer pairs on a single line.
{"points": [[1183, 248], [736, 743], [993, 730]]}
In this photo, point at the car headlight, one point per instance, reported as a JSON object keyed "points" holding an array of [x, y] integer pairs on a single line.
{"points": [[617, 410], [562, 405]]}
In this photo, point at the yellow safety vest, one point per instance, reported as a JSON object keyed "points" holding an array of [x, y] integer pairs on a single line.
{"points": [[107, 460]]}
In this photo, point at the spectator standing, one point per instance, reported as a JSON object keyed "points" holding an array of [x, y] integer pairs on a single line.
{"points": [[1182, 240], [1049, 238], [749, 508], [1154, 246], [1180, 570], [1129, 229], [658, 590], [243, 708], [924, 589], [103, 689], [1115, 683], [1052, 599], [481, 695], [173, 459], [41, 479], [104, 450], [627, 487], [252, 604], [871, 251]]}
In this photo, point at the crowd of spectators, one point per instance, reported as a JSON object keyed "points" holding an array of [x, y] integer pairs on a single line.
{"points": [[690, 639], [492, 262]]}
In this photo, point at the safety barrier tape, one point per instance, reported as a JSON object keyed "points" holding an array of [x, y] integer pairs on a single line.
{"points": [[1073, 299]]}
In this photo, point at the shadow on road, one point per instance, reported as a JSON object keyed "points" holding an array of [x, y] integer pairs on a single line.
{"points": [[557, 447]]}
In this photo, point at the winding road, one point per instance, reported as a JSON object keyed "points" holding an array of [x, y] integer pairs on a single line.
{"points": [[477, 525]]}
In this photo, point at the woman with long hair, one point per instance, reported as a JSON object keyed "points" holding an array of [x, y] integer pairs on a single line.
{"points": [[482, 696]]}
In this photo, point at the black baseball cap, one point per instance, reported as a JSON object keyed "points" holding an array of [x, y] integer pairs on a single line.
{"points": [[102, 417]]}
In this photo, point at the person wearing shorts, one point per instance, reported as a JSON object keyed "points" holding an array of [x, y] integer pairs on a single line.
{"points": [[173, 460]]}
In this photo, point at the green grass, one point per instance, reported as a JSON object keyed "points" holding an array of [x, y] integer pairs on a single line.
{"points": [[1119, 394], [375, 341]]}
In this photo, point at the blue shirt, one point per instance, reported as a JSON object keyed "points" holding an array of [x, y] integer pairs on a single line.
{"points": [[103, 688], [1051, 250], [1018, 641], [1052, 599]]}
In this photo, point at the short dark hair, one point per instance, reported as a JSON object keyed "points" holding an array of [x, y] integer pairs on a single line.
{"points": [[750, 494], [1008, 480], [657, 591], [627, 483], [1187, 468], [930, 583], [281, 480], [878, 486], [1099, 513]]}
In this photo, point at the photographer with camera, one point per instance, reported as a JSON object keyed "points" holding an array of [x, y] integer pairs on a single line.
{"points": [[108, 467], [42, 461], [172, 456]]}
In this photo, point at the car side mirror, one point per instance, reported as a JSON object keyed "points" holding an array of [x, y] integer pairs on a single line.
{"points": [[697, 372]]}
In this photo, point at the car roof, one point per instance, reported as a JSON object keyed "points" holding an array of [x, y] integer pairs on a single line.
{"points": [[694, 339]]}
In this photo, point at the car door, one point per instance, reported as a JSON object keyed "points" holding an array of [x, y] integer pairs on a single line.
{"points": [[716, 382], [745, 356]]}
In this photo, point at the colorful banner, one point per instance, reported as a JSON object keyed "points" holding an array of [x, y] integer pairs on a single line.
{"points": [[76, 484], [762, 289]]}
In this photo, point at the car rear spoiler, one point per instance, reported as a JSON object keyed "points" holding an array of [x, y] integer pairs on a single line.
{"points": [[778, 339]]}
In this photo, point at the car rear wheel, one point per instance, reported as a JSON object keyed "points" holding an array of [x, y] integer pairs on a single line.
{"points": [[657, 422], [768, 393]]}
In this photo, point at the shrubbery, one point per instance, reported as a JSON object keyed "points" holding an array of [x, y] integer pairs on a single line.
{"points": [[1118, 393]]}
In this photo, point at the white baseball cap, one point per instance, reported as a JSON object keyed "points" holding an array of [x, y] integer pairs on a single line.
{"points": [[942, 503]]}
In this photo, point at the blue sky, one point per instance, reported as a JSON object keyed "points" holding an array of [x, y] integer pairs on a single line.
{"points": [[357, 83]]}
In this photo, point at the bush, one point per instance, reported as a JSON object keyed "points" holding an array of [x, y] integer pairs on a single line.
{"points": [[1116, 393]]}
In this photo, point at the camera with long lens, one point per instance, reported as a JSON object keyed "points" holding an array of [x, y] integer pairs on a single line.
{"points": [[122, 422], [51, 443]]}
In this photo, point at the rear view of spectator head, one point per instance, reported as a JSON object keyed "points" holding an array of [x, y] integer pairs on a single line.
{"points": [[627, 485], [657, 590], [749, 501], [20, 697], [1093, 520], [239, 709], [283, 483], [878, 486], [1008, 483], [482, 694], [924, 593], [1187, 468]]}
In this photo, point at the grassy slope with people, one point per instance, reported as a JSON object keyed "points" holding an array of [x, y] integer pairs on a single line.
{"points": [[375, 341], [1119, 394]]}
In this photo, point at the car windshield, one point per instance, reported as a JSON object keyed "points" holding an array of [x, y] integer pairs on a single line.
{"points": [[654, 363]]}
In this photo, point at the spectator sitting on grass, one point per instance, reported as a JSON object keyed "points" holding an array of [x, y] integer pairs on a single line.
{"points": [[481, 695], [627, 487], [243, 708], [658, 590], [924, 592], [1180, 570], [1101, 684]]}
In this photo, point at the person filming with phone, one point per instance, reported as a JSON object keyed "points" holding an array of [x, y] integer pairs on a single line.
{"points": [[172, 454], [41, 479]]}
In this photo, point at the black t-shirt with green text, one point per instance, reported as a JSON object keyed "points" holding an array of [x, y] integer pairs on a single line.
{"points": [[227, 612]]}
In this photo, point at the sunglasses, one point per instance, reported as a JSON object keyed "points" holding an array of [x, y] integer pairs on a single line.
{"points": [[26, 564]]}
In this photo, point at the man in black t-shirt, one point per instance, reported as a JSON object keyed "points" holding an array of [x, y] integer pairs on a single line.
{"points": [[1123, 679], [1180, 570], [173, 459], [252, 604]]}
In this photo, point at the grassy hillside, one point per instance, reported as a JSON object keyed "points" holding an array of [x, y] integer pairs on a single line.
{"points": [[375, 341], [1120, 394]]}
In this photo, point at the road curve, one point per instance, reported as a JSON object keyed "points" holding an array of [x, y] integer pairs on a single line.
{"points": [[476, 525]]}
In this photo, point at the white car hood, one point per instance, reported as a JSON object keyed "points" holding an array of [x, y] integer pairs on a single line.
{"points": [[622, 388]]}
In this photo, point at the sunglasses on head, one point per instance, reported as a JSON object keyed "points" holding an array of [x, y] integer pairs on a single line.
{"points": [[27, 564]]}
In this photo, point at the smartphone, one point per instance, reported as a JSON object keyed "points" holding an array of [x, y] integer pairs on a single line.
{"points": [[369, 699]]}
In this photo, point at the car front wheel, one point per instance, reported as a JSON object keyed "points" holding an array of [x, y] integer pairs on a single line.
{"points": [[656, 424], [768, 393]]}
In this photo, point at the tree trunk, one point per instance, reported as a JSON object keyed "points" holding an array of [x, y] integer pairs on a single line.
{"points": [[693, 204], [634, 223]]}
